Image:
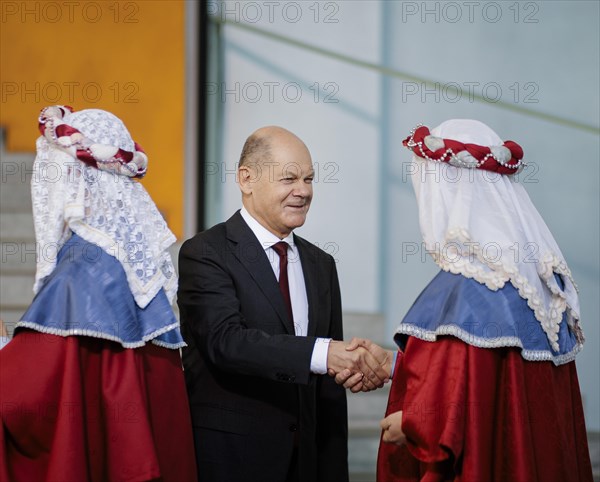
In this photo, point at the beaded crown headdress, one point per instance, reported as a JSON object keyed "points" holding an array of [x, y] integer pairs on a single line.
{"points": [[101, 156], [503, 159]]}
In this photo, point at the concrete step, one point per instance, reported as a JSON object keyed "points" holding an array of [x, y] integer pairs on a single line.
{"points": [[362, 477], [16, 227], [15, 179], [10, 318], [362, 457], [15, 196], [17, 257], [17, 168], [366, 409], [25, 158], [17, 291], [594, 445]]}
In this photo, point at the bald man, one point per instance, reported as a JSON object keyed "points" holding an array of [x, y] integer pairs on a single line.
{"points": [[261, 313]]}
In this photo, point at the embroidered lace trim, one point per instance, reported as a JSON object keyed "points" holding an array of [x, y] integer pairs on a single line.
{"points": [[498, 342], [98, 334], [501, 271]]}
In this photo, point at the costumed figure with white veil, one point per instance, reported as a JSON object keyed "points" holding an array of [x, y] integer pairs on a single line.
{"points": [[485, 386], [92, 382]]}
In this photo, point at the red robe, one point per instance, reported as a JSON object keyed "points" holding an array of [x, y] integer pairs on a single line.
{"points": [[85, 409], [484, 415]]}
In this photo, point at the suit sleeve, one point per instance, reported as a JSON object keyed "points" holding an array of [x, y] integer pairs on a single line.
{"points": [[210, 313], [332, 409]]}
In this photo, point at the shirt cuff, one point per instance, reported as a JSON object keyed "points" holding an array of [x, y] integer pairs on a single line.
{"points": [[5, 339], [318, 360], [394, 364]]}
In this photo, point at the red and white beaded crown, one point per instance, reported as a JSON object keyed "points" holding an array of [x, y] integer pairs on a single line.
{"points": [[101, 156], [503, 159]]}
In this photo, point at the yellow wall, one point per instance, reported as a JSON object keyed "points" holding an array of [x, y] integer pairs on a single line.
{"points": [[124, 57]]}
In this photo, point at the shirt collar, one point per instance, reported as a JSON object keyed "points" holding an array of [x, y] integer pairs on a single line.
{"points": [[265, 237]]}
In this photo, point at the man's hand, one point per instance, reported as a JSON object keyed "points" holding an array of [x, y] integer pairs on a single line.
{"points": [[392, 429], [352, 380], [358, 362]]}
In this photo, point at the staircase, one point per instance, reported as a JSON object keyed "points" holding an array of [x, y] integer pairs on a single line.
{"points": [[365, 410], [17, 238]]}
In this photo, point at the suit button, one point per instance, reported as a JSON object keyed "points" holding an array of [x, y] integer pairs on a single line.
{"points": [[293, 427]]}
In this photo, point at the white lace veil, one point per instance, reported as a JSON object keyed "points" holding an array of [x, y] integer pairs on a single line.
{"points": [[110, 210], [483, 225]]}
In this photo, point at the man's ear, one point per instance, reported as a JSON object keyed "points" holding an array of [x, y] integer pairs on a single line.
{"points": [[244, 176]]}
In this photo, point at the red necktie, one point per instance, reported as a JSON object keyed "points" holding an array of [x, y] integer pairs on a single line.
{"points": [[281, 249]]}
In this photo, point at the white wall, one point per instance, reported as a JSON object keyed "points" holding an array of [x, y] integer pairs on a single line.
{"points": [[340, 127], [541, 55]]}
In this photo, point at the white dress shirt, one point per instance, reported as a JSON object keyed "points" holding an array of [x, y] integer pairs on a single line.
{"points": [[318, 362]]}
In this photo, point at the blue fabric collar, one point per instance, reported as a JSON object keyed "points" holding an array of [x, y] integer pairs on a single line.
{"points": [[88, 295], [457, 306]]}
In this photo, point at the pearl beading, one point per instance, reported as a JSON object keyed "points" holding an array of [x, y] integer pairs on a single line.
{"points": [[480, 342], [457, 161], [137, 167]]}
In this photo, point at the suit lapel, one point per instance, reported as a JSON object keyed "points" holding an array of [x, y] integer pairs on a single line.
{"points": [[310, 272], [252, 256]]}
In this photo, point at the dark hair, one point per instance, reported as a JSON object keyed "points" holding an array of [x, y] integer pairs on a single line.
{"points": [[256, 148]]}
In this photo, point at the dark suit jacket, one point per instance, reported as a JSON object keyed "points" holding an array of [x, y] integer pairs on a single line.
{"points": [[251, 392]]}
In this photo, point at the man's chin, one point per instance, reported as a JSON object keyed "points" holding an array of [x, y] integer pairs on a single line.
{"points": [[295, 221]]}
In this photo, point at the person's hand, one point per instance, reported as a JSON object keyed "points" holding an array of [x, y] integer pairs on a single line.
{"points": [[3, 331], [359, 362], [352, 380], [392, 429]]}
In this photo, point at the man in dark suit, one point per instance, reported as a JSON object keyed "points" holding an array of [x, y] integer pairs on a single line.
{"points": [[263, 323]]}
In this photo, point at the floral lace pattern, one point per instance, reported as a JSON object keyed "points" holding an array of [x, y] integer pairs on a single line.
{"points": [[459, 255], [114, 212], [483, 225]]}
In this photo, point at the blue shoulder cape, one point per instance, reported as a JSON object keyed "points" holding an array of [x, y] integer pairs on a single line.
{"points": [[461, 307], [87, 294]]}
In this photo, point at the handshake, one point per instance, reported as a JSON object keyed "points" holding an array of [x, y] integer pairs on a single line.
{"points": [[361, 365]]}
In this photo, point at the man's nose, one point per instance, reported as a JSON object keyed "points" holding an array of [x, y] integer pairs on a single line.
{"points": [[302, 189]]}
